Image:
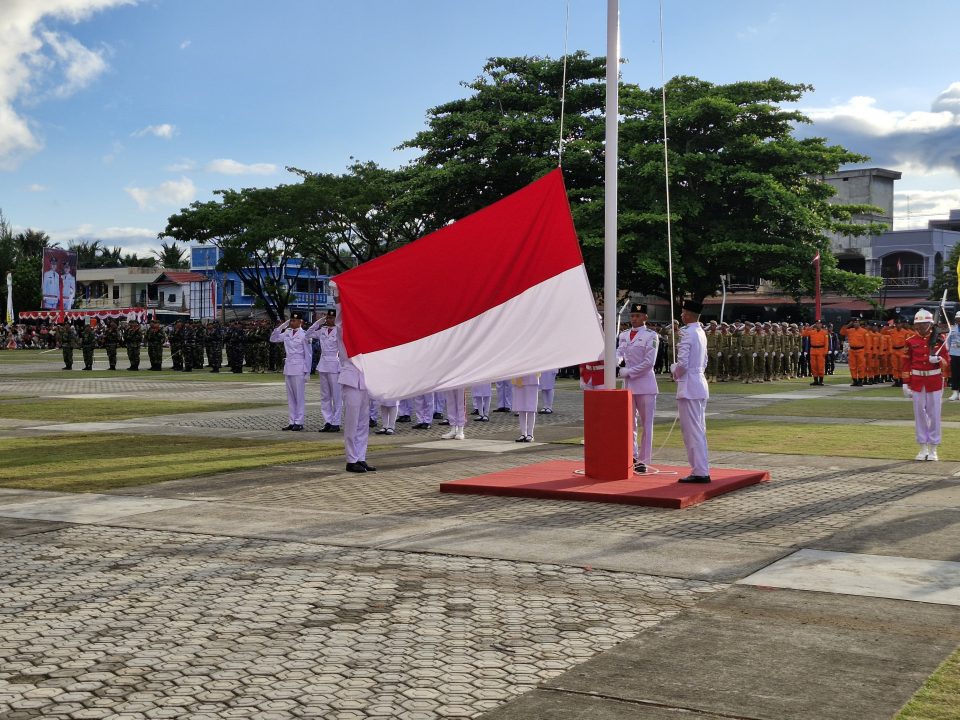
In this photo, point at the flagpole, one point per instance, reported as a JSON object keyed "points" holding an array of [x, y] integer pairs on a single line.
{"points": [[816, 285], [610, 326]]}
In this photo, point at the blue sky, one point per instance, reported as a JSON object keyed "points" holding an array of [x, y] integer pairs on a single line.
{"points": [[116, 113]]}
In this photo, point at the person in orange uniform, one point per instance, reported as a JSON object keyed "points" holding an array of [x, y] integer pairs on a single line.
{"points": [[819, 344], [856, 336], [898, 338], [876, 352], [923, 382]]}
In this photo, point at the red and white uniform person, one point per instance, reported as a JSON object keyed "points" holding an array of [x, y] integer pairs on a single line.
{"points": [[548, 382], [296, 366], [693, 392], [525, 391], [923, 381], [637, 349], [328, 369]]}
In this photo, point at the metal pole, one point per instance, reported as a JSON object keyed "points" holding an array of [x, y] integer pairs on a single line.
{"points": [[610, 327]]}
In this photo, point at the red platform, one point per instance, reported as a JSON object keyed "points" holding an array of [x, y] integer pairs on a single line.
{"points": [[557, 480]]}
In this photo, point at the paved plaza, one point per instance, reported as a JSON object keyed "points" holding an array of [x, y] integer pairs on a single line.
{"points": [[303, 591]]}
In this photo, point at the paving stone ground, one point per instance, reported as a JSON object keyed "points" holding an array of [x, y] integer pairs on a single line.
{"points": [[122, 622]]}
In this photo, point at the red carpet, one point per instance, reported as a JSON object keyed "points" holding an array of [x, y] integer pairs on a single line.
{"points": [[558, 481]]}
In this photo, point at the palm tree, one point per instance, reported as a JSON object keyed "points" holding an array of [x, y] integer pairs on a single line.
{"points": [[172, 257], [88, 253]]}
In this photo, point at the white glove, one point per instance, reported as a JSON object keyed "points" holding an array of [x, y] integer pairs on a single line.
{"points": [[625, 373], [754, 354], [781, 354], [719, 354], [907, 392], [766, 354], [935, 359], [673, 368]]}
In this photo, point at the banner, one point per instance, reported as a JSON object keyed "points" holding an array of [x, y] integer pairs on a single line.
{"points": [[499, 294], [59, 279]]}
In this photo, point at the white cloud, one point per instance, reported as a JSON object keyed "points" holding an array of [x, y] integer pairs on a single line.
{"points": [[36, 187], [35, 62], [232, 167], [111, 233], [181, 166], [914, 208], [922, 141], [172, 193], [165, 131], [185, 44]]}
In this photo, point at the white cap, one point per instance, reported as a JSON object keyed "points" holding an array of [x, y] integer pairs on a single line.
{"points": [[923, 316]]}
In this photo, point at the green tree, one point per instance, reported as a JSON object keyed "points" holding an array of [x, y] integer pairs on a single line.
{"points": [[946, 279], [172, 257], [744, 191], [88, 253]]}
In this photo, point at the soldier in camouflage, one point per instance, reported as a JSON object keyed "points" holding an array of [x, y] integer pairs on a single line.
{"points": [[111, 340], [155, 338], [66, 337], [88, 342], [214, 341], [176, 345], [132, 338]]}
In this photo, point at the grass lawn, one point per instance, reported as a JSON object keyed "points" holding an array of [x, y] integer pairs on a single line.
{"points": [[102, 409], [892, 443], [939, 698], [856, 406], [97, 462]]}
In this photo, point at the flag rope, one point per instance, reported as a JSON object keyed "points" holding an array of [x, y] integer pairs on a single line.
{"points": [[666, 177], [563, 85]]}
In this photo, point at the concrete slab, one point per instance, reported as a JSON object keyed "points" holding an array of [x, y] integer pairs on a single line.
{"points": [[776, 655], [15, 527], [86, 509], [94, 396], [89, 427], [713, 560], [14, 495], [494, 446], [899, 578], [554, 705], [328, 528]]}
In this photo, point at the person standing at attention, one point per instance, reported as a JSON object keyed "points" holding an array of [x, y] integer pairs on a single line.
{"points": [[692, 391]]}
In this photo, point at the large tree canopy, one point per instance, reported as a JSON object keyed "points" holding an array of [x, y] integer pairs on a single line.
{"points": [[745, 193], [22, 255]]}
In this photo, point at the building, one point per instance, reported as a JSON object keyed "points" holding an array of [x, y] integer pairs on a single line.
{"points": [[167, 294], [309, 287]]}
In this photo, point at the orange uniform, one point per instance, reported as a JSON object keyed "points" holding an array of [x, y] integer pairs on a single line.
{"points": [[819, 345], [857, 338]]}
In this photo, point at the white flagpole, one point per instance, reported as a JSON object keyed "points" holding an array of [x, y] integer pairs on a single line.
{"points": [[610, 326], [9, 298]]}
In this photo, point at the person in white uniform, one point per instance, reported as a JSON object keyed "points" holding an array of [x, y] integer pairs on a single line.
{"points": [[482, 394], [456, 407], [51, 285], [525, 390], [637, 350], [548, 379], [296, 365], [692, 391], [69, 286], [328, 369]]}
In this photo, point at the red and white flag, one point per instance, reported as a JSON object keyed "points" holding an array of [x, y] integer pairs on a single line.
{"points": [[498, 294], [816, 258]]}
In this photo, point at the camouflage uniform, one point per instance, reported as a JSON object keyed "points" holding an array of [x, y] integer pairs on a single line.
{"points": [[234, 336], [199, 339], [176, 345], [111, 340], [88, 342], [66, 339], [214, 342], [155, 337], [187, 349], [132, 337]]}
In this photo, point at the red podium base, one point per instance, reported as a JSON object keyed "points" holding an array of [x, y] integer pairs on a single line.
{"points": [[608, 434], [559, 480]]}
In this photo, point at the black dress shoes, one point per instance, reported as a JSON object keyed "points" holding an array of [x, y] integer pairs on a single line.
{"points": [[291, 426], [403, 418], [639, 467], [368, 468], [437, 416], [695, 479], [373, 423], [327, 427], [356, 468], [422, 426], [297, 428]]}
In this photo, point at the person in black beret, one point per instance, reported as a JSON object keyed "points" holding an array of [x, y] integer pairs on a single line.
{"points": [[692, 391]]}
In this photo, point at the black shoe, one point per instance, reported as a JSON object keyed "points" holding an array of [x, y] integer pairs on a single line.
{"points": [[297, 428], [422, 426], [639, 467], [368, 468], [326, 428], [356, 467], [113, 367], [443, 422], [548, 411], [403, 418], [213, 370], [437, 416], [373, 423], [476, 411], [88, 368], [291, 426], [815, 383], [334, 428], [695, 479], [502, 409], [381, 431], [541, 412], [66, 367]]}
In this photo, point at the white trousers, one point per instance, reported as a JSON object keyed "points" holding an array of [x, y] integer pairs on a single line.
{"points": [[296, 397], [424, 407], [331, 399], [456, 407], [693, 425], [505, 394], [527, 422], [546, 399], [644, 407], [356, 423], [926, 416], [388, 416]]}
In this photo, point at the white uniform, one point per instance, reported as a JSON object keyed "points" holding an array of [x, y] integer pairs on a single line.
{"points": [[692, 395], [296, 367], [548, 379], [356, 404], [328, 369], [525, 390], [637, 349], [51, 290], [69, 290]]}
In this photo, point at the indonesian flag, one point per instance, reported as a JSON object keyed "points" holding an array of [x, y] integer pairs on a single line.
{"points": [[498, 294], [816, 258]]}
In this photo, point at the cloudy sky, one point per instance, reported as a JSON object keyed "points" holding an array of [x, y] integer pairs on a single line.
{"points": [[116, 113]]}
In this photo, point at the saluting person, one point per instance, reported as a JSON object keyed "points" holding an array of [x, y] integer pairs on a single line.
{"points": [[296, 366], [328, 367], [922, 368]]}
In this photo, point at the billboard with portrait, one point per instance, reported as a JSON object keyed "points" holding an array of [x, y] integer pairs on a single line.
{"points": [[59, 281]]}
